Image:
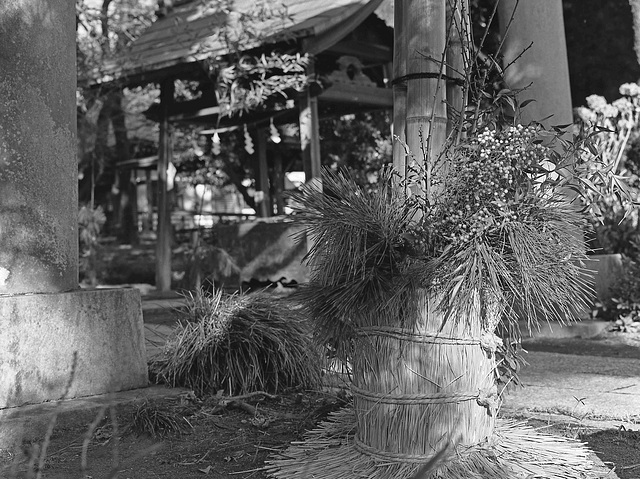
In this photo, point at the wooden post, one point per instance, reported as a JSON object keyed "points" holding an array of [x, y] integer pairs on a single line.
{"points": [[163, 244], [263, 200], [399, 86], [278, 181], [148, 223], [426, 108], [310, 133]]}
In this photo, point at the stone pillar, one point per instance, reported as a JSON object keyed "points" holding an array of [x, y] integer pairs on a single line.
{"points": [[544, 65], [55, 340], [38, 166]]}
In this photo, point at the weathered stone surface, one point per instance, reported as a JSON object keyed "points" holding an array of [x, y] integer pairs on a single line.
{"points": [[70, 345], [38, 166]]}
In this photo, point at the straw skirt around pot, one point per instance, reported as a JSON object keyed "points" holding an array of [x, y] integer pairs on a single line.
{"points": [[421, 387]]}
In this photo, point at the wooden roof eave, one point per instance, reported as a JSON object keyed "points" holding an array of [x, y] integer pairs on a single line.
{"points": [[314, 35], [339, 99]]}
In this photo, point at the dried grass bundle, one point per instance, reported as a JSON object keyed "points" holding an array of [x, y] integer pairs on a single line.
{"points": [[516, 451], [240, 344]]}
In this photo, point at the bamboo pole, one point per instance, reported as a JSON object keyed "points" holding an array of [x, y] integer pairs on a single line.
{"points": [[399, 87], [456, 58], [426, 108], [420, 382]]}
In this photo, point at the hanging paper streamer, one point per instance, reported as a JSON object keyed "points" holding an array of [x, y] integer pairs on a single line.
{"points": [[275, 134], [248, 142], [215, 148]]}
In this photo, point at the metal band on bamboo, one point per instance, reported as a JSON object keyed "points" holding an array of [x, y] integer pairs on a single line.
{"points": [[404, 334], [390, 456], [408, 399]]}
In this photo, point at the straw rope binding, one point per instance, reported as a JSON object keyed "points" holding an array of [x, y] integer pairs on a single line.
{"points": [[409, 399], [404, 334]]}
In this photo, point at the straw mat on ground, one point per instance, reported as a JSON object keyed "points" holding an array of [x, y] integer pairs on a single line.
{"points": [[516, 451]]}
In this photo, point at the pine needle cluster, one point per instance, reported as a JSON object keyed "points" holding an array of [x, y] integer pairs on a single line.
{"points": [[497, 229]]}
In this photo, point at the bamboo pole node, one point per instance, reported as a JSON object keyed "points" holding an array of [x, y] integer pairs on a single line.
{"points": [[375, 453], [404, 334], [412, 399], [421, 75]]}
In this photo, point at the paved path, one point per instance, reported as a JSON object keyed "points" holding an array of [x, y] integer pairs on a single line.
{"points": [[590, 387]]}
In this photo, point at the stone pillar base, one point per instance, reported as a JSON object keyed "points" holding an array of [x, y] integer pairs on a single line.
{"points": [[73, 344]]}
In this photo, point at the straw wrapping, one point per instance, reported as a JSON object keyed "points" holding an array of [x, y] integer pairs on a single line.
{"points": [[409, 399], [404, 334]]}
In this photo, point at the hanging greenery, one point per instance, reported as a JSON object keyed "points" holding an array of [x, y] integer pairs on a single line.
{"points": [[251, 81]]}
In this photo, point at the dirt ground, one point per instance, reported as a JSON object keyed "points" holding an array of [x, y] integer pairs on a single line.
{"points": [[230, 442], [213, 442]]}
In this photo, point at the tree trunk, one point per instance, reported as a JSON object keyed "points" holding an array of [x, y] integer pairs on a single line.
{"points": [[126, 203]]}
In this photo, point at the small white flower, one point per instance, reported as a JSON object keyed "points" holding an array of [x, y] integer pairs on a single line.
{"points": [[630, 89], [4, 275], [596, 103], [623, 105], [586, 115]]}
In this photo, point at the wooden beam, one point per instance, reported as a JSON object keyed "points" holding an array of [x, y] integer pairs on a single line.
{"points": [[371, 54], [358, 94], [184, 110], [163, 243]]}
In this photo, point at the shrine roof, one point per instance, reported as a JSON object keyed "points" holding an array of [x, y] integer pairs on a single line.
{"points": [[190, 33]]}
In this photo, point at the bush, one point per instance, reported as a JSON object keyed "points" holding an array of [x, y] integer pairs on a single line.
{"points": [[624, 305], [240, 344]]}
